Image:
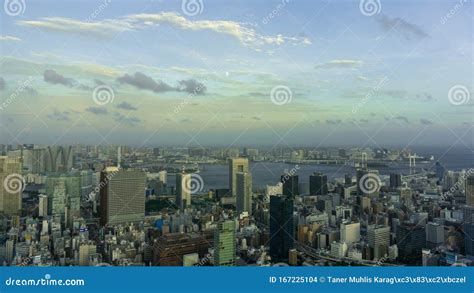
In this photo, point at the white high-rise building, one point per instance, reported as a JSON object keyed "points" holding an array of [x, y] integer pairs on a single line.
{"points": [[350, 232], [42, 205]]}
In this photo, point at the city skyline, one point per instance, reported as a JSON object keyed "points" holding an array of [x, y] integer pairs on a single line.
{"points": [[277, 73]]}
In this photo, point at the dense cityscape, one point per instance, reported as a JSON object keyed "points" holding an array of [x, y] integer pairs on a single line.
{"points": [[81, 205]]}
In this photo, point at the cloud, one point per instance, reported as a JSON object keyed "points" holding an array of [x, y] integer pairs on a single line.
{"points": [[192, 86], [105, 28], [402, 118], [425, 121], [110, 27], [333, 122], [339, 63], [59, 115], [127, 106], [142, 81], [2, 84], [9, 39], [407, 30], [50, 76], [242, 32], [126, 120], [97, 110]]}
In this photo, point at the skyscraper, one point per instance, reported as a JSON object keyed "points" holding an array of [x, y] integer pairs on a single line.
{"points": [[122, 196], [12, 185], [282, 229], [379, 239], [469, 189], [318, 184], [64, 193], [244, 192], [395, 180], [236, 165], [183, 190], [59, 158], [290, 184], [224, 244]]}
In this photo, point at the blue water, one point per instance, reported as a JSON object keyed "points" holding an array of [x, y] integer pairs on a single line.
{"points": [[268, 173]]}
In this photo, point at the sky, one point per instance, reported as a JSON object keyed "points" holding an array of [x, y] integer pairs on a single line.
{"points": [[234, 73]]}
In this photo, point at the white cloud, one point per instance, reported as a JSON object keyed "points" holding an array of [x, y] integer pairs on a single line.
{"points": [[245, 34], [339, 63], [10, 38], [67, 25]]}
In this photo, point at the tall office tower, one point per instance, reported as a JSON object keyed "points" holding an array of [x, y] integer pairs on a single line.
{"points": [[224, 244], [12, 185], [395, 180], [379, 239], [58, 200], [468, 229], [318, 184], [183, 190], [434, 235], [469, 190], [411, 239], [85, 251], [282, 230], [348, 180], [42, 205], [34, 160], [64, 194], [244, 192], [59, 159], [87, 183], [122, 196], [439, 170], [163, 176], [350, 232], [290, 185], [236, 165]]}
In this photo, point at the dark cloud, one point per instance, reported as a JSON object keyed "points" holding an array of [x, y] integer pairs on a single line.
{"points": [[142, 81], [333, 122], [51, 76], [126, 106], [98, 82], [364, 121], [84, 87], [408, 30], [126, 120], [192, 86], [402, 118], [2, 84], [425, 121], [97, 110], [59, 115]]}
